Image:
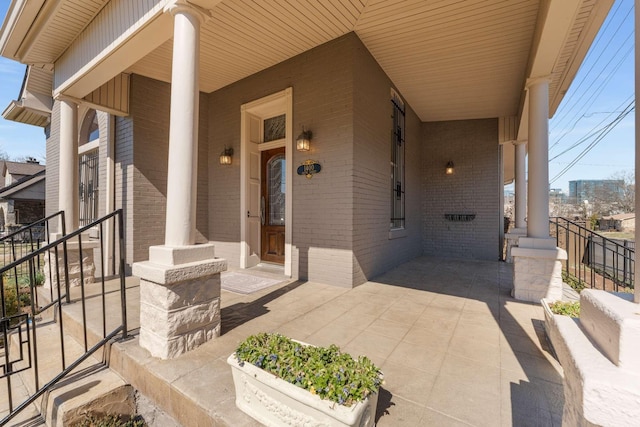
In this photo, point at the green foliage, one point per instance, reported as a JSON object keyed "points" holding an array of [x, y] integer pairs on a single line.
{"points": [[575, 283], [92, 420], [10, 301], [327, 372], [566, 308], [39, 278], [25, 280]]}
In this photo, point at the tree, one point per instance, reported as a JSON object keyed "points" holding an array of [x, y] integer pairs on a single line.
{"points": [[625, 199]]}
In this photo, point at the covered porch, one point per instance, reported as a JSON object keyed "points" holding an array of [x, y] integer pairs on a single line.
{"points": [[455, 347]]}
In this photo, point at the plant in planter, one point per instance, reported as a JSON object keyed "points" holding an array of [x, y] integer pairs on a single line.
{"points": [[552, 310], [282, 381], [566, 308]]}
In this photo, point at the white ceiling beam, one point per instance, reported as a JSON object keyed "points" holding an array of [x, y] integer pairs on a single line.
{"points": [[555, 20]]}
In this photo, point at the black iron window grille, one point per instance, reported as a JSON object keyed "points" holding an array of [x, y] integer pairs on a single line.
{"points": [[397, 162]]}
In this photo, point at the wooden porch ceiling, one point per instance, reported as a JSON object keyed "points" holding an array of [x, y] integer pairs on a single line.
{"points": [[451, 59]]}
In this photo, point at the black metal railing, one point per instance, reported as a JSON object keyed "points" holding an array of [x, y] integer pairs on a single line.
{"points": [[25, 240], [20, 313], [594, 261]]}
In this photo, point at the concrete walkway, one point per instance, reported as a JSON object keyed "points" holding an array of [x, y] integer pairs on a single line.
{"points": [[455, 348]]}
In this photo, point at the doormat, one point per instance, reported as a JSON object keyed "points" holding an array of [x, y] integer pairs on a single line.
{"points": [[245, 284]]}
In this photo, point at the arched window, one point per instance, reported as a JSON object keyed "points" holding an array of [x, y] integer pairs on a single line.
{"points": [[90, 127]]}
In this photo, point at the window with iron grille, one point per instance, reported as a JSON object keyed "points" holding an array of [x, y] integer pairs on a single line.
{"points": [[88, 179], [88, 187], [397, 161]]}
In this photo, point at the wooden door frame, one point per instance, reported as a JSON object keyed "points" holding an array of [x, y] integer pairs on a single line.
{"points": [[269, 106]]}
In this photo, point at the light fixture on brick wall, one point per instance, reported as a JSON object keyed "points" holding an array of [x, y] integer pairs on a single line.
{"points": [[303, 143], [449, 168], [226, 155]]}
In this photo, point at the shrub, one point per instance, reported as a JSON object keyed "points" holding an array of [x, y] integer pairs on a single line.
{"points": [[326, 372], [566, 308], [10, 301], [575, 283]]}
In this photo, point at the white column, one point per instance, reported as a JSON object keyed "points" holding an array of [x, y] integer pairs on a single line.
{"points": [[183, 133], [538, 195], [521, 185], [68, 178], [637, 86]]}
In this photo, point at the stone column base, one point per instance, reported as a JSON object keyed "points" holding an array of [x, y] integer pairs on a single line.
{"points": [[512, 239], [179, 299], [537, 271], [74, 260]]}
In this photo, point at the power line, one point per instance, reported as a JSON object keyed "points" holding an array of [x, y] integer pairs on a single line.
{"points": [[599, 41], [594, 94], [595, 130], [603, 132]]}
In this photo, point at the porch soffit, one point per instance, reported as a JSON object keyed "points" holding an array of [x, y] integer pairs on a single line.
{"points": [[451, 60]]}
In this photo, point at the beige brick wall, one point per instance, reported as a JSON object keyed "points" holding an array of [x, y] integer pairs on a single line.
{"points": [[472, 145]]}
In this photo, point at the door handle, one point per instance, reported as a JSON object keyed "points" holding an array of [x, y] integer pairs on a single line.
{"points": [[262, 207], [248, 214]]}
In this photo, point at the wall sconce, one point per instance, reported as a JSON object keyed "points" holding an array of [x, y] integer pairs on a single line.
{"points": [[225, 156], [449, 168], [303, 143]]}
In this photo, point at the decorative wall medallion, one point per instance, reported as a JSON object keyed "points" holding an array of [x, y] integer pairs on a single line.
{"points": [[309, 168]]}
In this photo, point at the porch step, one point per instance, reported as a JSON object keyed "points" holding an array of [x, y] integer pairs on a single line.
{"points": [[29, 416], [155, 379], [91, 387]]}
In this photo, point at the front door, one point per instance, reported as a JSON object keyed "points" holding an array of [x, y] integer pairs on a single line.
{"points": [[272, 204]]}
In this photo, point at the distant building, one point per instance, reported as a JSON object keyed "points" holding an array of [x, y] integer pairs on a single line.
{"points": [[556, 195], [586, 189], [620, 222], [22, 193]]}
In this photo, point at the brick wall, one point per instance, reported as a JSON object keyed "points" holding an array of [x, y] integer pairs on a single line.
{"points": [[374, 252], [53, 164], [29, 211], [103, 123], [474, 188], [150, 112], [123, 180], [322, 81]]}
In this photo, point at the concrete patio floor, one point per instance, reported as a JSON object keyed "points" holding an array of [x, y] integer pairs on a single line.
{"points": [[455, 348]]}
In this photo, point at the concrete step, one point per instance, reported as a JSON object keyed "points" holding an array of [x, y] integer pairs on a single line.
{"points": [[90, 387], [29, 416]]}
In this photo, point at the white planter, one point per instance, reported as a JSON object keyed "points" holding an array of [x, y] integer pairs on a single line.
{"points": [[551, 326], [275, 402]]}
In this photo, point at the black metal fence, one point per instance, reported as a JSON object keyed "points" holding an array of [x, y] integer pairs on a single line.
{"points": [[19, 309], [25, 240], [594, 260]]}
